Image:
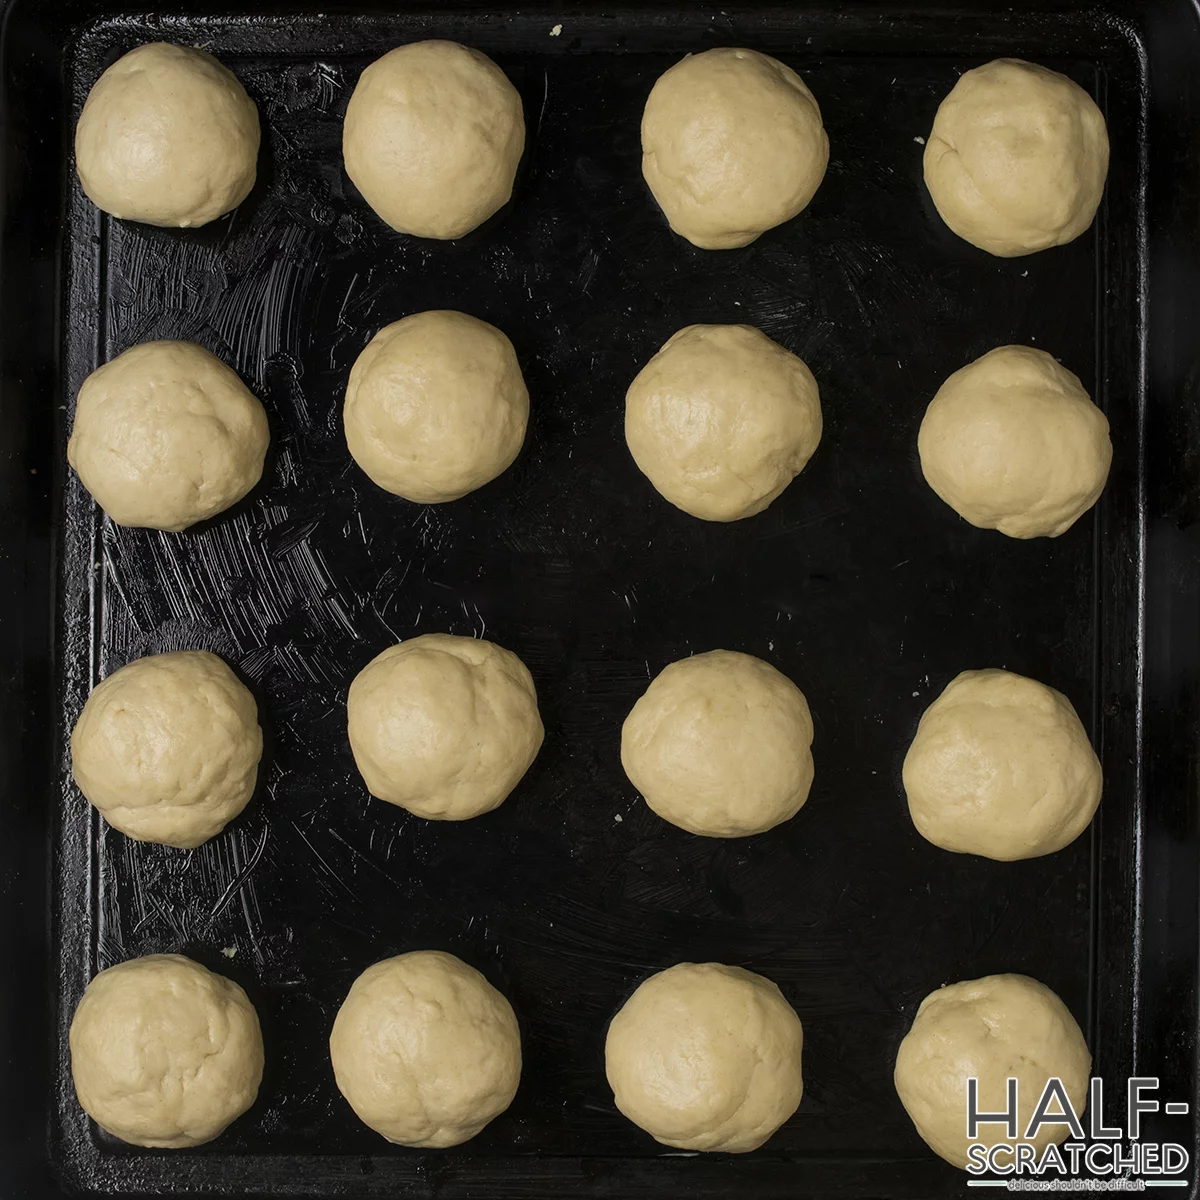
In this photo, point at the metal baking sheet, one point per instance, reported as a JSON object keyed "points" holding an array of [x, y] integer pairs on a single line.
{"points": [[858, 583]]}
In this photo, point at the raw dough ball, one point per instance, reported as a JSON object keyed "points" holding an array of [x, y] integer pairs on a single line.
{"points": [[1013, 442], [721, 420], [167, 748], [436, 406], [167, 136], [444, 726], [1017, 158], [426, 1051], [732, 145], [165, 1053], [1001, 766], [432, 138], [992, 1029], [719, 745], [706, 1057], [166, 435]]}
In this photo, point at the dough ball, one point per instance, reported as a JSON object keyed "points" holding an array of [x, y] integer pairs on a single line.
{"points": [[706, 1057], [732, 145], [719, 745], [432, 138], [165, 1053], [166, 435], [1013, 442], [992, 1029], [1001, 766], [444, 726], [721, 420], [167, 748], [436, 406], [167, 136], [426, 1051], [1017, 158]]}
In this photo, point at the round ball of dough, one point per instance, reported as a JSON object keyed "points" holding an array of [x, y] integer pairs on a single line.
{"points": [[721, 420], [167, 136], [706, 1057], [167, 748], [164, 1053], [732, 145], [993, 1029], [166, 435], [432, 138], [426, 1051], [444, 726], [436, 406], [1001, 766], [1017, 158], [719, 745], [1013, 442]]}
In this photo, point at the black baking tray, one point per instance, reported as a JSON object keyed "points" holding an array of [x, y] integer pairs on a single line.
{"points": [[857, 582]]}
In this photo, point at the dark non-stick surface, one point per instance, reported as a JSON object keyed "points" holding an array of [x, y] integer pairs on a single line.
{"points": [[858, 583]]}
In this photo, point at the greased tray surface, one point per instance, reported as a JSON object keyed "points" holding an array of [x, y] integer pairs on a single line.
{"points": [[858, 583]]}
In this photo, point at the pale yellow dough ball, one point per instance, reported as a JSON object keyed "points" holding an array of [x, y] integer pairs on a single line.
{"points": [[167, 748], [432, 138], [706, 1057], [721, 420], [444, 726], [166, 435], [425, 1050], [436, 406], [990, 1029], [1013, 442], [167, 136], [719, 744], [732, 145], [164, 1053], [1002, 767], [1017, 158]]}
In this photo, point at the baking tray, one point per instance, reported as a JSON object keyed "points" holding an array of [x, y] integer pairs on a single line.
{"points": [[857, 583]]}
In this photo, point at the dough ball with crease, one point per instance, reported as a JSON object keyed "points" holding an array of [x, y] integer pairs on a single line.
{"points": [[1002, 767], [721, 420], [1017, 158], [164, 1053], [719, 745], [432, 138], [436, 406], [732, 145], [425, 1050], [706, 1057], [1013, 442], [990, 1029], [444, 726], [167, 136], [167, 748], [166, 435]]}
